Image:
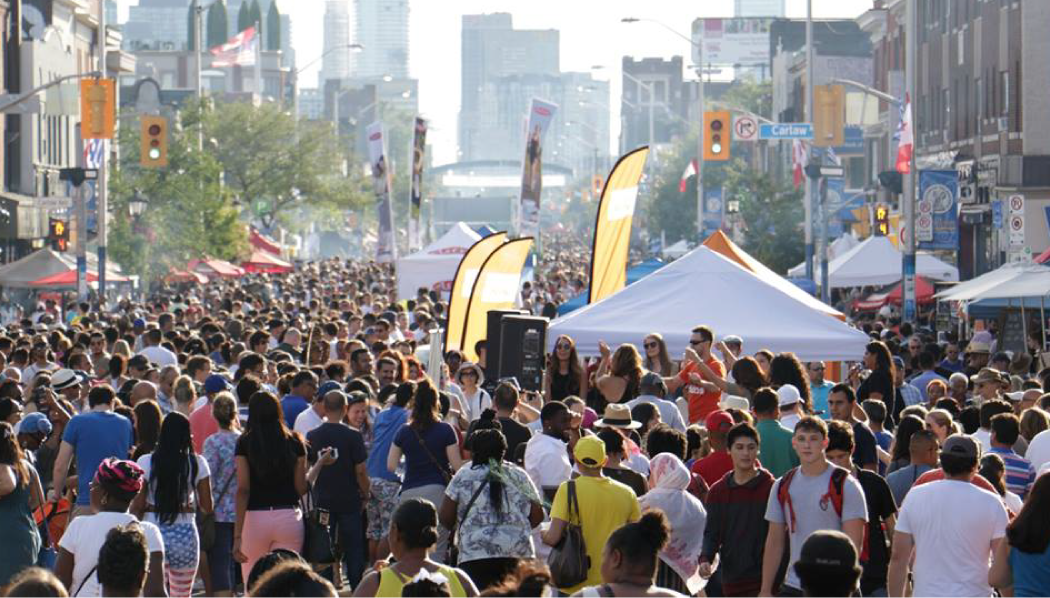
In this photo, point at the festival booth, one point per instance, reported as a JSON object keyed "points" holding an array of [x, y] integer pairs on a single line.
{"points": [[262, 242], [23, 273], [265, 262], [876, 262], [176, 276], [434, 267], [215, 268], [676, 250], [68, 280], [633, 275], [704, 287], [891, 295]]}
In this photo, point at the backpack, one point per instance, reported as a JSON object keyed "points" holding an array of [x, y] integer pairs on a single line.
{"points": [[834, 496]]}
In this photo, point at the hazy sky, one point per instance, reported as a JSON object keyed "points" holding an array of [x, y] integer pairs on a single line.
{"points": [[591, 34]]}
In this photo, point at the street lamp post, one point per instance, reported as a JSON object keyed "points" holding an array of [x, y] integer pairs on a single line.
{"points": [[808, 201]]}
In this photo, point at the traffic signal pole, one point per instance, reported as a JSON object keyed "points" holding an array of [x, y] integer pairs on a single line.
{"points": [[808, 199], [908, 302], [101, 185]]}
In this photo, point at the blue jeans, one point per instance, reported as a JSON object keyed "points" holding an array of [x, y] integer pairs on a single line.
{"points": [[351, 538], [220, 558]]}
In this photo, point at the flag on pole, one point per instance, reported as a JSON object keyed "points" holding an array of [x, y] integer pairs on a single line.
{"points": [[239, 51], [690, 171], [907, 139], [799, 158]]}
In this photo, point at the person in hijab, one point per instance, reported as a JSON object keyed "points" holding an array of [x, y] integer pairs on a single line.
{"points": [[679, 568]]}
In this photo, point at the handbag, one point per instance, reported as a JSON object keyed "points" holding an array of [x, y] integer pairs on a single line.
{"points": [[568, 561], [206, 521], [453, 542], [444, 470], [317, 539]]}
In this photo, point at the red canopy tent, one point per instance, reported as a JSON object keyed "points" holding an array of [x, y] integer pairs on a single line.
{"points": [[180, 276], [924, 292], [215, 267], [261, 261], [260, 241], [1043, 257], [69, 279]]}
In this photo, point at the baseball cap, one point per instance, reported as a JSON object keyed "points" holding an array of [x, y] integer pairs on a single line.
{"points": [[66, 378], [788, 395], [34, 423], [732, 339], [961, 445], [734, 402], [590, 451], [215, 383], [139, 323], [718, 421], [1016, 397], [328, 387], [827, 552]]}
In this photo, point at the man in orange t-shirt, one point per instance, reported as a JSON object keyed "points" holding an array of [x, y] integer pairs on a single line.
{"points": [[702, 394]]}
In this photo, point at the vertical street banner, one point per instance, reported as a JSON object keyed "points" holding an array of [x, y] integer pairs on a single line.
{"points": [[419, 147], [496, 287], [612, 229], [540, 115], [712, 210], [936, 213], [385, 250], [463, 284]]}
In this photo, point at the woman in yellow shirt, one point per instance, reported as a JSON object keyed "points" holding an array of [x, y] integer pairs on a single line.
{"points": [[413, 533]]}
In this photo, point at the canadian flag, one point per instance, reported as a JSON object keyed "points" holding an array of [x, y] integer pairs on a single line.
{"points": [[239, 51], [907, 139], [690, 171], [799, 158]]}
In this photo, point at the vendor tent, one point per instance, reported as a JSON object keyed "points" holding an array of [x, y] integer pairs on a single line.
{"points": [[892, 295], [722, 244], [435, 266], [68, 279], [876, 262], [634, 274], [215, 267], [262, 242], [965, 291], [45, 262], [676, 250], [262, 261], [176, 276], [703, 287]]}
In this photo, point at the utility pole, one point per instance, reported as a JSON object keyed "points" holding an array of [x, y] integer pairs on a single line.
{"points": [[198, 10], [911, 38], [102, 184], [808, 199], [700, 140]]}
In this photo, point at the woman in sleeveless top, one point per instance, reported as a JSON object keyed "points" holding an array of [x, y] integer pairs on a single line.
{"points": [[19, 486], [565, 374], [413, 533], [619, 373]]}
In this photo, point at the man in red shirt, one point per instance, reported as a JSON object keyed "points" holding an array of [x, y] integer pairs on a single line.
{"points": [[701, 392], [716, 465]]}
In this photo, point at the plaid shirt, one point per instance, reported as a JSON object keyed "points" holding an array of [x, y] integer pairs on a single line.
{"points": [[910, 395]]}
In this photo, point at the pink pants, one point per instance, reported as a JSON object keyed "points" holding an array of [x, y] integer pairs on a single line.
{"points": [[266, 530]]}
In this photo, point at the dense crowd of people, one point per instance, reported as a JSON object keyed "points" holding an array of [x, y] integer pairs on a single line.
{"points": [[282, 435]]}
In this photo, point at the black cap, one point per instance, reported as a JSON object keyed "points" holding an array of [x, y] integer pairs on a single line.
{"points": [[828, 549]]}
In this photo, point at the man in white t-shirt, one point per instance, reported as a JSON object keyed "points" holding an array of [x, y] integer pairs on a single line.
{"points": [[952, 527], [546, 454], [1039, 450]]}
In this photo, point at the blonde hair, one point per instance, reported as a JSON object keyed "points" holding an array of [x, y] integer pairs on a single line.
{"points": [[183, 390], [1033, 421], [121, 348], [224, 410], [944, 419]]}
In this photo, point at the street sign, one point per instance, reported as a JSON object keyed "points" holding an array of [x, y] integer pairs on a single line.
{"points": [[1017, 203], [832, 172], [53, 202], [745, 128], [1016, 230], [775, 131]]}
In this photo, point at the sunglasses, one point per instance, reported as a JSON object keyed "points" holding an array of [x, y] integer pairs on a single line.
{"points": [[816, 369], [652, 345], [565, 346], [695, 343]]}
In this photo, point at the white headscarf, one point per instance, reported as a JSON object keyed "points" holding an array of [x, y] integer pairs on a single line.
{"points": [[669, 480]]}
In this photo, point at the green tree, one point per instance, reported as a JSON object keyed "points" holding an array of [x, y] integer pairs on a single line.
{"points": [[771, 215], [273, 27], [751, 95], [244, 16], [218, 28]]}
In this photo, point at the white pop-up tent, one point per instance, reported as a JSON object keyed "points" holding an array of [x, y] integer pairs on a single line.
{"points": [[435, 266], [677, 250], [876, 262], [704, 287]]}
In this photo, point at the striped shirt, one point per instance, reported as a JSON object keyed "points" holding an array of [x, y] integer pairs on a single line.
{"points": [[1020, 475]]}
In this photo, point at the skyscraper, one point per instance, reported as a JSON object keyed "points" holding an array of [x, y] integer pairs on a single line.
{"points": [[759, 8], [381, 26], [336, 63]]}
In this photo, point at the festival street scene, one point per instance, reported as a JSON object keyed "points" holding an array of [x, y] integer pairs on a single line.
{"points": [[525, 298]]}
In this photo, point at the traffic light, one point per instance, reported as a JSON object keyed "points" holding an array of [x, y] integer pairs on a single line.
{"points": [[892, 181], [154, 145], [58, 234], [717, 135], [882, 220], [596, 186], [829, 121], [98, 108]]}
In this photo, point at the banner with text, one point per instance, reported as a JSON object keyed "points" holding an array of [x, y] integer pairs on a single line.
{"points": [[936, 212], [463, 284], [385, 249], [612, 230], [419, 148], [496, 287], [540, 115]]}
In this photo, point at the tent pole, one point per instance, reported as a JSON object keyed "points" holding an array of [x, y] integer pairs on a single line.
{"points": [[1024, 325], [1042, 320]]}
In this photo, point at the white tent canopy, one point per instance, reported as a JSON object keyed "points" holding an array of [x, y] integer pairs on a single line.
{"points": [[676, 250], [841, 245], [435, 266], [704, 287], [876, 262], [965, 291]]}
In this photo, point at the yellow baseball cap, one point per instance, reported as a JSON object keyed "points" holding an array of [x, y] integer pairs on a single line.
{"points": [[590, 451]]}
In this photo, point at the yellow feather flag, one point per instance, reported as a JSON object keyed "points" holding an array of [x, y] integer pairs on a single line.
{"points": [[463, 284], [496, 288], [612, 231]]}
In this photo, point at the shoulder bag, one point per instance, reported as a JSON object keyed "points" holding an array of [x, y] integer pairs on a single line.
{"points": [[453, 541], [444, 470], [568, 561], [317, 539], [206, 521]]}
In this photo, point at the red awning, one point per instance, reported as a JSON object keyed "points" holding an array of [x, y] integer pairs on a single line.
{"points": [[215, 267], [178, 276], [1043, 258], [261, 261], [923, 294], [69, 278], [260, 241]]}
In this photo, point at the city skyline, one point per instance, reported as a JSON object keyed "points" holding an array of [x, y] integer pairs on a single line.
{"points": [[592, 35]]}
